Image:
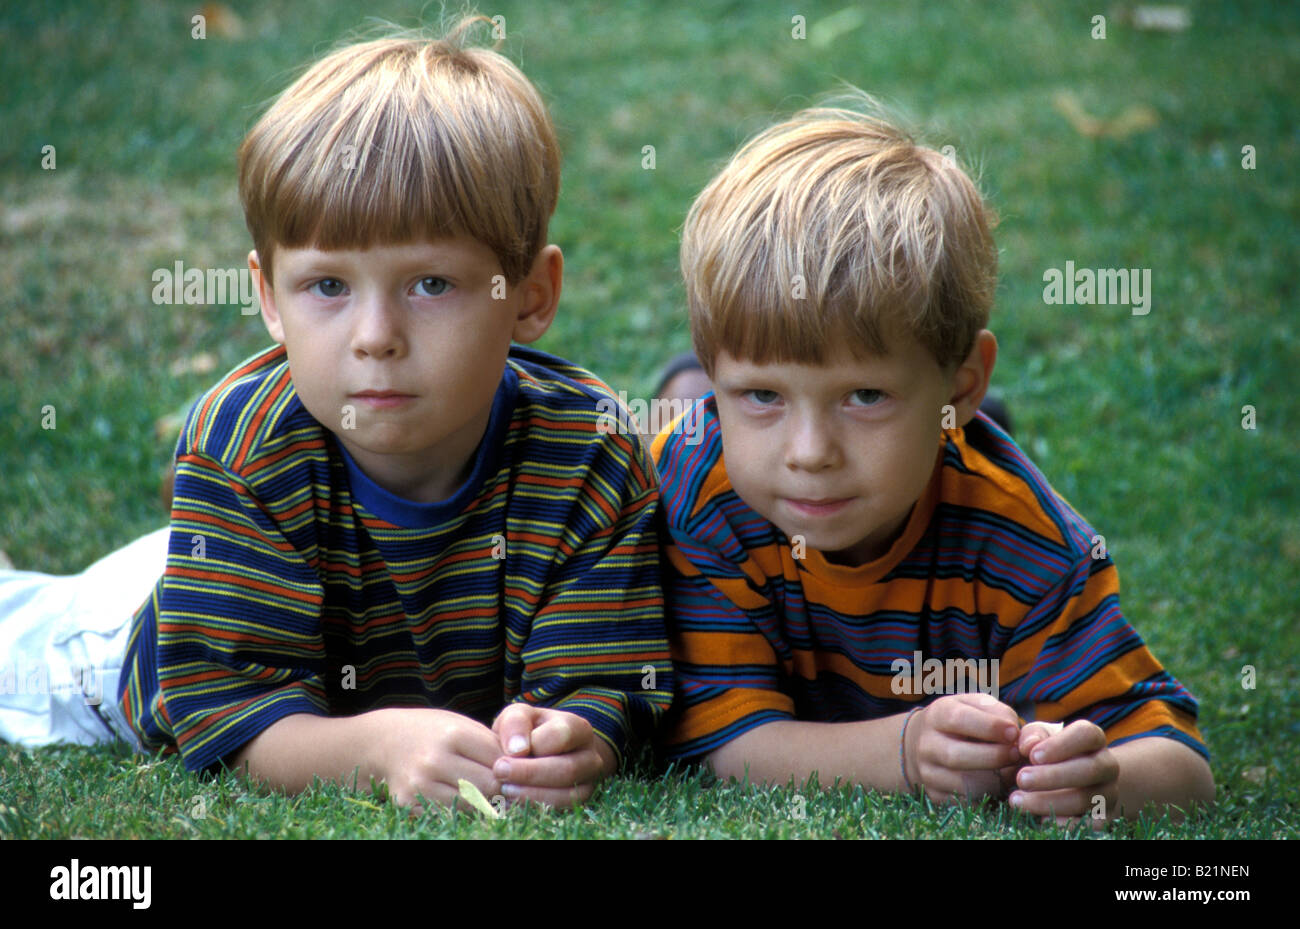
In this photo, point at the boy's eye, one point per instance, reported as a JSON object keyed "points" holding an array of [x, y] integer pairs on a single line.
{"points": [[763, 397], [329, 287], [867, 397], [432, 286]]}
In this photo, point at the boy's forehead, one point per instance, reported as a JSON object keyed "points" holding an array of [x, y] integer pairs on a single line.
{"points": [[838, 362], [418, 250]]}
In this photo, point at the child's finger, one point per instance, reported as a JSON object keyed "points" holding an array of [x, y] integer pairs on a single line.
{"points": [[557, 797], [514, 728], [978, 717], [561, 732], [1083, 771], [1033, 733], [1081, 737], [478, 744], [1072, 802], [964, 755], [554, 771]]}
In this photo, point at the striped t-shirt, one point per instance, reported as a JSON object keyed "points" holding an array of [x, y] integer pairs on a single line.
{"points": [[295, 584], [991, 564]]}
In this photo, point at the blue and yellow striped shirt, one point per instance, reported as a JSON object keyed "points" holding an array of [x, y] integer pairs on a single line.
{"points": [[294, 584]]}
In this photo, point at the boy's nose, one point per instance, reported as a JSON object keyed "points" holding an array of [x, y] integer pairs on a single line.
{"points": [[812, 445], [377, 330]]}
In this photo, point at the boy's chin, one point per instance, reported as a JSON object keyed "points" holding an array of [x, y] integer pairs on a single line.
{"points": [[841, 548], [836, 547]]}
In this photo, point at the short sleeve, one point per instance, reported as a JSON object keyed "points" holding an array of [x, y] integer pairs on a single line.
{"points": [[237, 623]]}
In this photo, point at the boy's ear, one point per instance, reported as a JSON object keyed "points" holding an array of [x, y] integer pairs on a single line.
{"points": [[270, 315], [971, 379], [541, 295]]}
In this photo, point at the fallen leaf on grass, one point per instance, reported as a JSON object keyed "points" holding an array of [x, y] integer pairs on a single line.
{"points": [[1135, 118], [474, 797]]}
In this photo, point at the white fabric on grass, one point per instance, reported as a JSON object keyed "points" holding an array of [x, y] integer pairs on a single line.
{"points": [[62, 639]]}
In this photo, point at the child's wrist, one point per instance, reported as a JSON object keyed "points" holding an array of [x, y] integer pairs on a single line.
{"points": [[909, 785]]}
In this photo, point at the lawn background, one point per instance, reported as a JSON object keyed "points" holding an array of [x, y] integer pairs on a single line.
{"points": [[1137, 420]]}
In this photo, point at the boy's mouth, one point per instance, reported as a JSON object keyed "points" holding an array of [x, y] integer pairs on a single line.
{"points": [[382, 399], [825, 506]]}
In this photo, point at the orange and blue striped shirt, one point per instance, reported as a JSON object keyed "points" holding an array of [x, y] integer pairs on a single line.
{"points": [[992, 565], [294, 584]]}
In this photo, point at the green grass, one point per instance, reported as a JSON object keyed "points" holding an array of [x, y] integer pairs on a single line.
{"points": [[70, 792], [1136, 420]]}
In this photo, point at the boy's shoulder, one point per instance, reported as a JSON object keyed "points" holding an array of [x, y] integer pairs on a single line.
{"points": [[698, 502], [990, 487], [986, 494], [548, 380], [569, 416], [252, 413]]}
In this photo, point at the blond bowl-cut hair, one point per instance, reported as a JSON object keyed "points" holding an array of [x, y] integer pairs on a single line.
{"points": [[401, 139], [835, 228]]}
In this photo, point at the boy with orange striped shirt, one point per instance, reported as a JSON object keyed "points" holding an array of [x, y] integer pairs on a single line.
{"points": [[850, 515]]}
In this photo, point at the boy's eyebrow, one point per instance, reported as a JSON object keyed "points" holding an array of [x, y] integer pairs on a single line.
{"points": [[437, 261], [749, 371], [741, 379]]}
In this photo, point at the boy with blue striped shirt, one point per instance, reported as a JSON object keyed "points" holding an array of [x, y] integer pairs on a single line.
{"points": [[404, 550]]}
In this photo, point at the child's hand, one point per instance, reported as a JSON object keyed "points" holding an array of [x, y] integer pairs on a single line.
{"points": [[1069, 767], [552, 757], [957, 745], [422, 752]]}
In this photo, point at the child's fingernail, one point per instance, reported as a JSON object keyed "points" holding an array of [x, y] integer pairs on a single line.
{"points": [[1010, 734], [1038, 756], [510, 791], [517, 744], [501, 770], [1017, 799], [1027, 779], [1015, 753]]}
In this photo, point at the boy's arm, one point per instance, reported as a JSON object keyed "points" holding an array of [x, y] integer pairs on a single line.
{"points": [[954, 748], [859, 753], [1161, 771], [417, 752]]}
